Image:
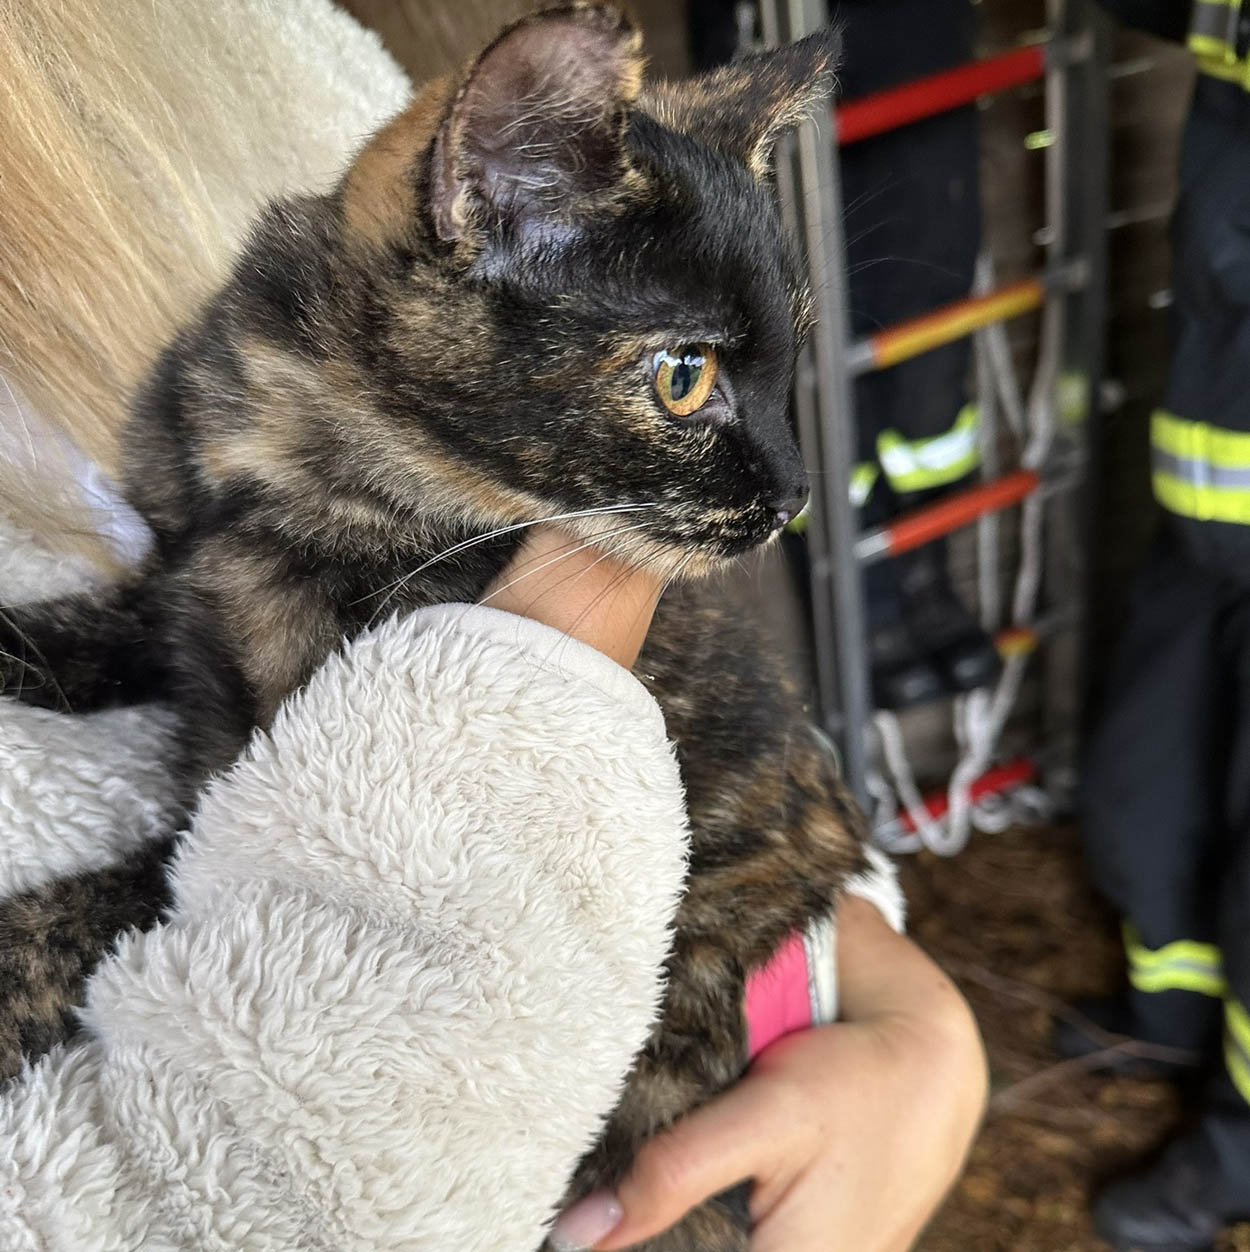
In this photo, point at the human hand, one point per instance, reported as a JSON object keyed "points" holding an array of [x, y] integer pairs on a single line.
{"points": [[852, 1132], [557, 579]]}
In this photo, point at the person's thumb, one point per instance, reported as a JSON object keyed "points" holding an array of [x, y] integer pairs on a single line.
{"points": [[703, 1154]]}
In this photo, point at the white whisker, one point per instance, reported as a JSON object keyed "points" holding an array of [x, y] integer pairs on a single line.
{"points": [[394, 587], [620, 530]]}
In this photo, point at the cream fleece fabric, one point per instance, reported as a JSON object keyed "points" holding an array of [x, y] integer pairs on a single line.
{"points": [[417, 942], [75, 792]]}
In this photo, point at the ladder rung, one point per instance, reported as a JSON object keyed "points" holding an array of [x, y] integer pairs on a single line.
{"points": [[907, 339], [923, 525], [937, 93]]}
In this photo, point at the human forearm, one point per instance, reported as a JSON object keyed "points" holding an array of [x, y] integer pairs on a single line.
{"points": [[882, 973]]}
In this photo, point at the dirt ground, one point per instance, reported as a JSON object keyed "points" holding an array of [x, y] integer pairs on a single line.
{"points": [[1013, 921]]}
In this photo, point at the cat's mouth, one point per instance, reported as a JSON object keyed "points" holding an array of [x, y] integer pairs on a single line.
{"points": [[679, 544], [730, 532], [718, 537], [737, 541]]}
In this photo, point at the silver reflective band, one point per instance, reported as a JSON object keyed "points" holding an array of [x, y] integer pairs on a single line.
{"points": [[1200, 473]]}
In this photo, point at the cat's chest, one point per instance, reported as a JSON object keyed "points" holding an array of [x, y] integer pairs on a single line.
{"points": [[773, 834]]}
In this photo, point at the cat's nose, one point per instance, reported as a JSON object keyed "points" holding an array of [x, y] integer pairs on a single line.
{"points": [[786, 510]]}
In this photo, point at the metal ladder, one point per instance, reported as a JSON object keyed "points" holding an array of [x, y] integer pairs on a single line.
{"points": [[1071, 64]]}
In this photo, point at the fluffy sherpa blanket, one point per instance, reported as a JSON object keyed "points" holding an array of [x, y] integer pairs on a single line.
{"points": [[417, 942]]}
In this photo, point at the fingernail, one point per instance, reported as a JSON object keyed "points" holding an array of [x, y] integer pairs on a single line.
{"points": [[588, 1221]]}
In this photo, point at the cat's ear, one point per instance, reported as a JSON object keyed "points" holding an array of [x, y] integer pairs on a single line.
{"points": [[744, 107], [535, 134]]}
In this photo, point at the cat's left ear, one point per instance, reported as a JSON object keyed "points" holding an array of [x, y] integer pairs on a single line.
{"points": [[535, 135], [744, 107]]}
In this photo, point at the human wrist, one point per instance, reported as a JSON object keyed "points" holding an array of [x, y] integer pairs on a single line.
{"points": [[921, 1017], [586, 594], [882, 974]]}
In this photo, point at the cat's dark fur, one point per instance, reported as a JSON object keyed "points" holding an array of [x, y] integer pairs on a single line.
{"points": [[459, 339]]}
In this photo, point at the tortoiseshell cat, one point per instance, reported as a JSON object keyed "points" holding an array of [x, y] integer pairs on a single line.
{"points": [[542, 290]]}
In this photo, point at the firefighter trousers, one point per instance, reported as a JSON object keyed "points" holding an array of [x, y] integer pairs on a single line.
{"points": [[1166, 821], [1166, 781]]}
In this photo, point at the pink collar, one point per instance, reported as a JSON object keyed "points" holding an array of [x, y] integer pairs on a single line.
{"points": [[779, 996]]}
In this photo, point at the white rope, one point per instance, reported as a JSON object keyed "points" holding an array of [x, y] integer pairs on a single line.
{"points": [[997, 347], [888, 830], [894, 749], [983, 714], [989, 525]]}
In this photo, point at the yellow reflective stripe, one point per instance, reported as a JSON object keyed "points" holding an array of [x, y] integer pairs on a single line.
{"points": [[1238, 1022], [1183, 965], [1213, 41], [1238, 1069], [1203, 982], [1217, 58], [1211, 46], [1200, 441], [863, 479], [1205, 504], [1201, 471], [1237, 1046], [917, 464], [1190, 950], [1237, 72]]}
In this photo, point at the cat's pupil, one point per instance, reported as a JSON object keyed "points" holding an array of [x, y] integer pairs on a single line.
{"points": [[686, 373]]}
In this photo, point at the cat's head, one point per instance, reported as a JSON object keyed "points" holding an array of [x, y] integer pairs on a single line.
{"points": [[581, 295]]}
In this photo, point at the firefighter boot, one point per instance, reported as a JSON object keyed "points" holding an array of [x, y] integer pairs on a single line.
{"points": [[1197, 1186]]}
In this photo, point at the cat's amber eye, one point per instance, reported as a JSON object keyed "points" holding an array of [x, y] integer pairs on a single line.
{"points": [[684, 379]]}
